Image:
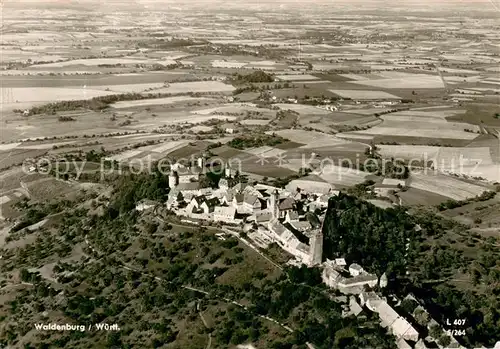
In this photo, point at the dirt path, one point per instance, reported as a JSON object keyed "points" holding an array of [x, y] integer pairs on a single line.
{"points": [[131, 268], [234, 233], [209, 343]]}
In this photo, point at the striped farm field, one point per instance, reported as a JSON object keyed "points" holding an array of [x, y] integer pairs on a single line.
{"points": [[448, 186], [297, 77], [341, 176], [125, 155], [364, 94], [303, 108], [196, 86], [445, 157], [310, 139], [421, 133], [419, 81]]}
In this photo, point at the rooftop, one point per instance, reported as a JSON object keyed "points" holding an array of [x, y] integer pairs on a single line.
{"points": [[386, 313], [224, 211], [188, 186], [360, 278], [355, 266]]}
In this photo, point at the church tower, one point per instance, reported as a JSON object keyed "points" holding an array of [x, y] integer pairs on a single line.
{"points": [[228, 171], [275, 204], [316, 248], [172, 180]]}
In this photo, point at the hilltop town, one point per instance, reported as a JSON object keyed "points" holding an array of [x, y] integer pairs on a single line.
{"points": [[292, 217], [251, 175]]}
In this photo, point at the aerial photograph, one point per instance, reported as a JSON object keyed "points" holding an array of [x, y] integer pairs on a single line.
{"points": [[316, 174]]}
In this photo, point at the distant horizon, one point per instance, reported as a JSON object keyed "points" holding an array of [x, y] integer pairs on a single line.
{"points": [[191, 2], [436, 8]]}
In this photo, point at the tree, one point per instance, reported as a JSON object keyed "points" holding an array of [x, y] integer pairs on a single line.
{"points": [[435, 332]]}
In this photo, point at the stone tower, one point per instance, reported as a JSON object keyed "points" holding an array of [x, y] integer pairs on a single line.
{"points": [[383, 281], [274, 206], [316, 248], [172, 180], [200, 162], [228, 171]]}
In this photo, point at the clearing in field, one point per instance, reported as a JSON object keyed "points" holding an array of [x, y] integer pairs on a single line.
{"points": [[359, 77], [129, 88], [156, 101], [365, 111], [8, 146], [489, 172], [196, 86], [48, 94], [101, 61], [311, 184], [341, 176], [446, 158], [419, 133], [228, 64], [445, 185], [303, 108], [416, 81], [426, 123], [364, 94], [265, 152], [43, 146], [310, 139], [169, 146], [125, 155], [297, 77], [254, 122], [233, 108]]}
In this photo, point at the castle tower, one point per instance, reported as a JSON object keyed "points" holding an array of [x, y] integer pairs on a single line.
{"points": [[316, 248], [274, 206], [201, 162], [383, 281], [172, 180], [228, 171]]}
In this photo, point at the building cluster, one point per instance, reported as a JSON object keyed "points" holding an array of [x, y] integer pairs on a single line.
{"points": [[409, 328], [292, 218], [389, 318], [277, 215], [351, 280]]}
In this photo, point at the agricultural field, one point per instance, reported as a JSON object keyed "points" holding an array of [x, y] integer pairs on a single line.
{"points": [[447, 186], [444, 156], [157, 101], [297, 77], [424, 124], [311, 139], [103, 61], [302, 108], [339, 176], [25, 98], [196, 87], [364, 94], [396, 80]]}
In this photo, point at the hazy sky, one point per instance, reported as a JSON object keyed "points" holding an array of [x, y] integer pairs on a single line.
{"points": [[487, 5], [381, 2]]}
